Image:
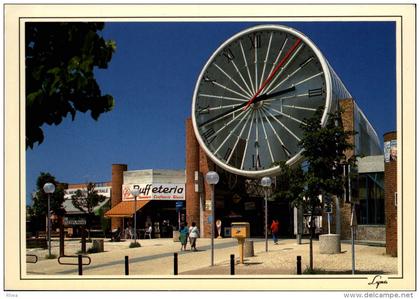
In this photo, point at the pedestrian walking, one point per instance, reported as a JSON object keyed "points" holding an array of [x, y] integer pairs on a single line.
{"points": [[275, 230], [183, 236], [194, 233]]}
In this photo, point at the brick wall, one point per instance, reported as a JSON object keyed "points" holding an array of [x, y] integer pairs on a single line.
{"points": [[192, 199], [347, 116], [391, 221], [116, 191], [206, 165]]}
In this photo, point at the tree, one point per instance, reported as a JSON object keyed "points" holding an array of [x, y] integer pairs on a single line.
{"points": [[86, 201], [324, 150], [40, 200], [60, 61]]}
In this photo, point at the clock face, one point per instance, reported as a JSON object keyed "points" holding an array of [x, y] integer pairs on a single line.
{"points": [[253, 95]]}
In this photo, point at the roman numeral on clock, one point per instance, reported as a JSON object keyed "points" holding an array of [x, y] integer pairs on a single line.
{"points": [[255, 41], [203, 110], [256, 163], [228, 152], [228, 54], [208, 80], [207, 134], [315, 92]]}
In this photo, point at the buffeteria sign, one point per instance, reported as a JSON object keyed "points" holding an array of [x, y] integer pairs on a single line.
{"points": [[155, 191]]}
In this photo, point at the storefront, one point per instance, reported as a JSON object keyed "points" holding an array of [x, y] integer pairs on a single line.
{"points": [[160, 202]]}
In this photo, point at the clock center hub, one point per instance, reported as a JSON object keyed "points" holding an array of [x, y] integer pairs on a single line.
{"points": [[257, 105]]}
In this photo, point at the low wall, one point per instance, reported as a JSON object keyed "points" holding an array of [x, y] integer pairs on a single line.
{"points": [[371, 232]]}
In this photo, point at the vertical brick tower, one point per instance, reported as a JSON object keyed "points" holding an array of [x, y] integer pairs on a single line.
{"points": [[116, 193], [192, 164], [347, 116], [391, 221], [197, 160]]}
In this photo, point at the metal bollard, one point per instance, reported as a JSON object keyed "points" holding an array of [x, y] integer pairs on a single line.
{"points": [[80, 264], [175, 263], [232, 264], [299, 264], [83, 241], [126, 265]]}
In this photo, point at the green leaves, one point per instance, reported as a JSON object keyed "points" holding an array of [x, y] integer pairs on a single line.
{"points": [[60, 60], [324, 149], [40, 200], [87, 200]]}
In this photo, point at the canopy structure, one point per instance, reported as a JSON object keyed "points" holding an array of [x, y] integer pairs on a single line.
{"points": [[126, 208]]}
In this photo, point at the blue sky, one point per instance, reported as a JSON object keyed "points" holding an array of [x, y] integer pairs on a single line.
{"points": [[152, 77]]}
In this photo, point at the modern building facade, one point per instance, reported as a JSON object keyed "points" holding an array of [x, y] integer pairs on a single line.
{"points": [[241, 199], [160, 203]]}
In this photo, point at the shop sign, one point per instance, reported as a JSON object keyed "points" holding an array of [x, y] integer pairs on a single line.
{"points": [[155, 191], [105, 191], [74, 221]]}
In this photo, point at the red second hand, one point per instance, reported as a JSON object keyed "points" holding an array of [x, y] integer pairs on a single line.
{"points": [[279, 65]]}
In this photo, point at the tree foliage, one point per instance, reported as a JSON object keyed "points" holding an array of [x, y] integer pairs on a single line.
{"points": [[60, 59], [324, 150], [87, 200], [40, 201], [324, 153], [289, 184]]}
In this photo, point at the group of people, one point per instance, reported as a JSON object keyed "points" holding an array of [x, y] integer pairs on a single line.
{"points": [[192, 233], [188, 233]]}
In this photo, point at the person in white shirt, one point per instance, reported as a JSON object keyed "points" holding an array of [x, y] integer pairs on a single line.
{"points": [[194, 233]]}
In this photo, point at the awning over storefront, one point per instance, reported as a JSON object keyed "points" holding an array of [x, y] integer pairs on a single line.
{"points": [[125, 208]]}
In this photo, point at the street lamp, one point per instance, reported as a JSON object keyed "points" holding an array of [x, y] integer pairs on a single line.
{"points": [[212, 178], [49, 188], [266, 183], [135, 192]]}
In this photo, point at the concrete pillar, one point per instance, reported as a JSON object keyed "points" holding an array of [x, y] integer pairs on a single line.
{"points": [[192, 157], [116, 193], [390, 183]]}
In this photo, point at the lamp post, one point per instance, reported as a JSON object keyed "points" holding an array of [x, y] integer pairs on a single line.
{"points": [[49, 188], [212, 178], [266, 183], [135, 192]]}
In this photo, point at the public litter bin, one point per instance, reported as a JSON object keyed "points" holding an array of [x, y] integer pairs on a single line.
{"points": [[98, 245]]}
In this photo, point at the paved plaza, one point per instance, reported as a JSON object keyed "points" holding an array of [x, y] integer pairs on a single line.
{"points": [[156, 257]]}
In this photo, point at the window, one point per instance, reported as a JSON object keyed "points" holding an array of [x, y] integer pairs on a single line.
{"points": [[371, 208]]}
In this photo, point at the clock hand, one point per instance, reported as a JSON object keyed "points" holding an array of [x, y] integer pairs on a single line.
{"points": [[258, 99], [274, 94], [223, 114], [271, 76]]}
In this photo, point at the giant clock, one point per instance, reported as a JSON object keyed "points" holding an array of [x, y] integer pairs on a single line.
{"points": [[254, 93]]}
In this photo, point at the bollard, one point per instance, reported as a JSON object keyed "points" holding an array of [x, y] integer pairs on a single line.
{"points": [[299, 264], [80, 264], [232, 264], [126, 265], [175, 263], [62, 240], [83, 240]]}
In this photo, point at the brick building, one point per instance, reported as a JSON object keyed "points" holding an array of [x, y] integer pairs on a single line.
{"points": [[241, 199]]}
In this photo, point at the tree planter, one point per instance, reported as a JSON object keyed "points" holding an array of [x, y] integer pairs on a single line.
{"points": [[329, 244]]}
